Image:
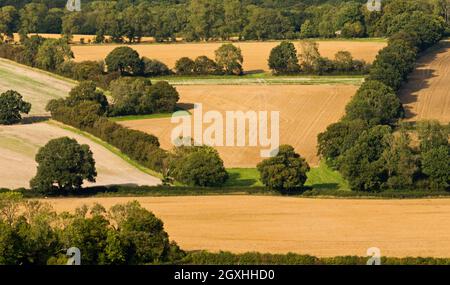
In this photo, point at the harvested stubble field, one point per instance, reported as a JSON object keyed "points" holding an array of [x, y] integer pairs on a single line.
{"points": [[427, 93], [36, 86], [305, 111], [20, 143], [255, 54], [321, 227]]}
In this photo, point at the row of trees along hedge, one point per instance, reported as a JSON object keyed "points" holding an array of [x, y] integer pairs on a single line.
{"points": [[283, 59], [32, 233], [368, 146], [229, 61], [56, 56], [210, 19], [85, 109]]}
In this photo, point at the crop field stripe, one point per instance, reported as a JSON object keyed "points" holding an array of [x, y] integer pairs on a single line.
{"points": [[56, 76], [111, 148]]}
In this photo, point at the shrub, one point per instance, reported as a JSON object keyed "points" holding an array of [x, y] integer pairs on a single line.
{"points": [[136, 96], [229, 58], [286, 171], [198, 166], [63, 164], [87, 91], [283, 59], [206, 66], [185, 66], [124, 60], [11, 105], [153, 67], [375, 103]]}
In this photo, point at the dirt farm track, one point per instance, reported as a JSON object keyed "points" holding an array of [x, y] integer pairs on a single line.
{"points": [[322, 227]]}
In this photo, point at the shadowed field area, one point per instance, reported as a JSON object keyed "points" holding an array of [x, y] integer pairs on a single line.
{"points": [[427, 93]]}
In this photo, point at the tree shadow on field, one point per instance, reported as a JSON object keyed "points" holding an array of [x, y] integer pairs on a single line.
{"points": [[34, 119], [420, 78], [185, 106], [234, 179], [326, 186], [255, 71]]}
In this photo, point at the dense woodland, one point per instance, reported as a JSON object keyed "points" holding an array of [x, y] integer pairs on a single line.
{"points": [[130, 20]]}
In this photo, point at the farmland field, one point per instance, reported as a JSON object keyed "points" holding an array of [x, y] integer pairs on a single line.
{"points": [[255, 53], [322, 227], [19, 145], [36, 86], [305, 111], [427, 94]]}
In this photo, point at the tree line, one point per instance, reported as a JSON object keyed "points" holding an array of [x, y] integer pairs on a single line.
{"points": [[32, 233], [371, 148], [284, 59], [125, 20]]}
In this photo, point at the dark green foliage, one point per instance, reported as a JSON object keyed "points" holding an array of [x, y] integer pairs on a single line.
{"points": [[436, 166], [127, 234], [283, 59], [87, 91], [185, 66], [198, 166], [362, 165], [229, 59], [136, 96], [153, 67], [285, 171], [63, 165], [401, 162], [52, 53], [11, 107], [338, 138], [124, 60], [206, 66], [375, 103]]}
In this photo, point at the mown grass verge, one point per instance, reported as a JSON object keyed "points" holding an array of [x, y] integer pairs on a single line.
{"points": [[261, 79]]}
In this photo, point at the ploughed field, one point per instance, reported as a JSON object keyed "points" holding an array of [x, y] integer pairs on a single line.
{"points": [[321, 227], [20, 143], [427, 93], [255, 54], [304, 111]]}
